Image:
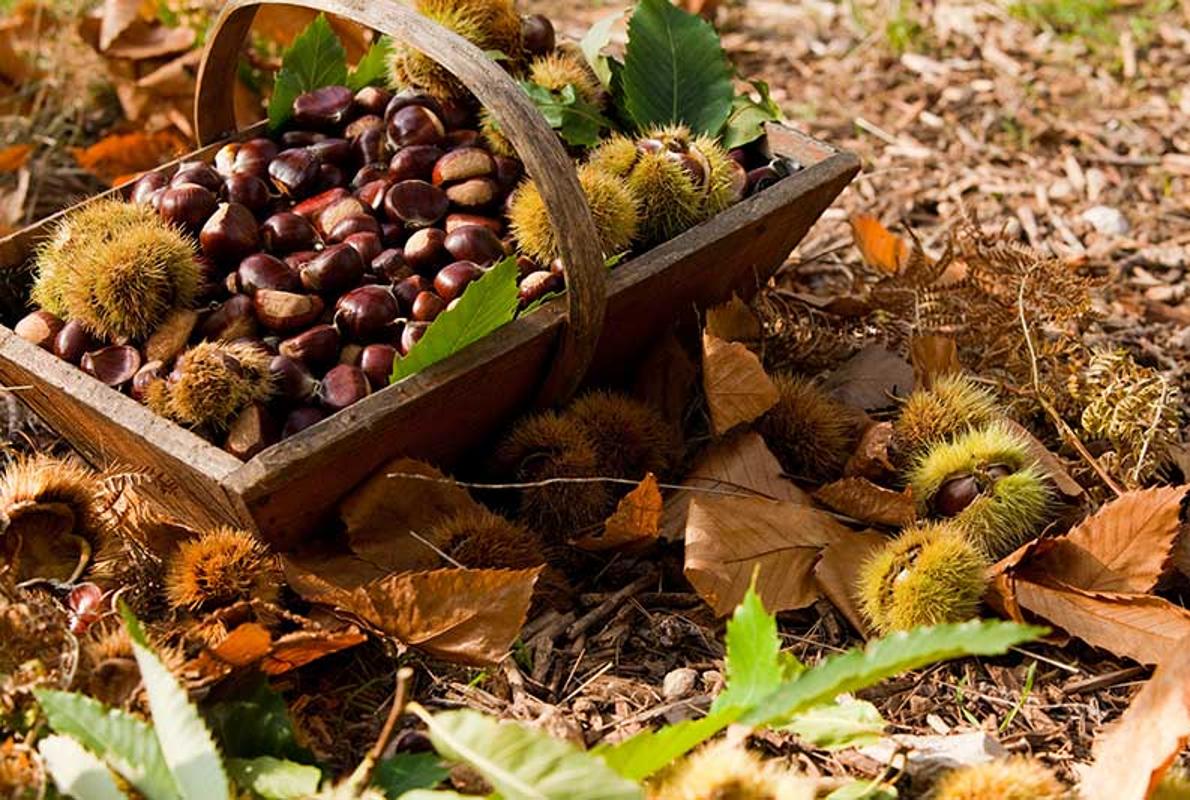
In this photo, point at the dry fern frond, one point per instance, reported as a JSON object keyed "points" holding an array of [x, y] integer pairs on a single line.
{"points": [[1134, 409]]}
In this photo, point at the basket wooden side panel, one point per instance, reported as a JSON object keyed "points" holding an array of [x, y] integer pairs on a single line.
{"points": [[184, 472]]}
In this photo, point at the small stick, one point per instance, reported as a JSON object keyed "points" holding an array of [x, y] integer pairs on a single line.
{"points": [[601, 611], [363, 773]]}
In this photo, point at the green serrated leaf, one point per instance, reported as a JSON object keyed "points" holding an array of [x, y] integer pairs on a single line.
{"points": [[577, 121], [859, 668], [186, 743], [76, 771], [275, 778], [595, 39], [523, 763], [123, 742], [372, 69], [255, 724], [315, 59], [749, 115], [847, 722], [406, 772], [648, 752], [675, 69], [486, 305], [755, 667]]}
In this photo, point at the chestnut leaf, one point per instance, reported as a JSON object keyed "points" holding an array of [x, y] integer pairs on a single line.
{"points": [[372, 69], [748, 116], [576, 121], [314, 60], [487, 304], [675, 70]]}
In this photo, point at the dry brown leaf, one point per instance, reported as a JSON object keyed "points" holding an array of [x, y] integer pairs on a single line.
{"points": [[1142, 627], [871, 379], [251, 644], [15, 68], [1124, 548], [122, 154], [14, 157], [471, 616], [666, 378], [1134, 753], [116, 17], [142, 40], [736, 386], [728, 538], [282, 24], [863, 500], [741, 462], [933, 356], [836, 572], [385, 516], [733, 321], [636, 522], [871, 459]]}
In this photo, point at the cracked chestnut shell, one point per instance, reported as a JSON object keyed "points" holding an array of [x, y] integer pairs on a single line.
{"points": [[114, 365]]}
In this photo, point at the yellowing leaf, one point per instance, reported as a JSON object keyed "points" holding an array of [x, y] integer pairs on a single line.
{"points": [[836, 571], [863, 500], [1133, 754], [736, 386], [123, 154], [14, 157], [727, 538], [635, 523]]}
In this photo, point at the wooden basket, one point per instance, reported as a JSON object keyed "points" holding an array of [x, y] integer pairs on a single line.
{"points": [[602, 323]]}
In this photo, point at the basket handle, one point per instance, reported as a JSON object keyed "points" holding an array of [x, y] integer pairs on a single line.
{"points": [[535, 142]]}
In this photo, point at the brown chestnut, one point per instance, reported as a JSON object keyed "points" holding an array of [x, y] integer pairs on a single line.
{"points": [[295, 172], [230, 234], [316, 348], [474, 243], [332, 151], [292, 380], [508, 172], [955, 495], [407, 290], [72, 341], [363, 223], [460, 139], [458, 220], [371, 194], [414, 125], [334, 270], [366, 243], [297, 139], [373, 100], [452, 280], [366, 313], [415, 163], [187, 205], [114, 365], [412, 97], [232, 319], [286, 312], [252, 158], [462, 164], [170, 338], [301, 418], [343, 386], [537, 285], [390, 265], [312, 207], [358, 126], [336, 212], [247, 190], [474, 193], [416, 203], [253, 430], [377, 171], [262, 271], [376, 361], [368, 146], [410, 335], [537, 34], [323, 108], [146, 186], [286, 232], [427, 306], [426, 249], [197, 172], [39, 328]]}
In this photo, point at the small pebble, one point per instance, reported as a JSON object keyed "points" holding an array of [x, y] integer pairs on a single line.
{"points": [[1106, 220], [679, 683]]}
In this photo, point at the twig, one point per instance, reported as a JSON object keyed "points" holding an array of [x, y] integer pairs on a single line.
{"points": [[363, 773], [597, 614], [1067, 434], [551, 481]]}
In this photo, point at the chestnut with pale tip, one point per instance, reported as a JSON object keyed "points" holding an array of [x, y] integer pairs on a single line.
{"points": [[286, 312], [39, 328], [333, 271], [317, 348]]}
